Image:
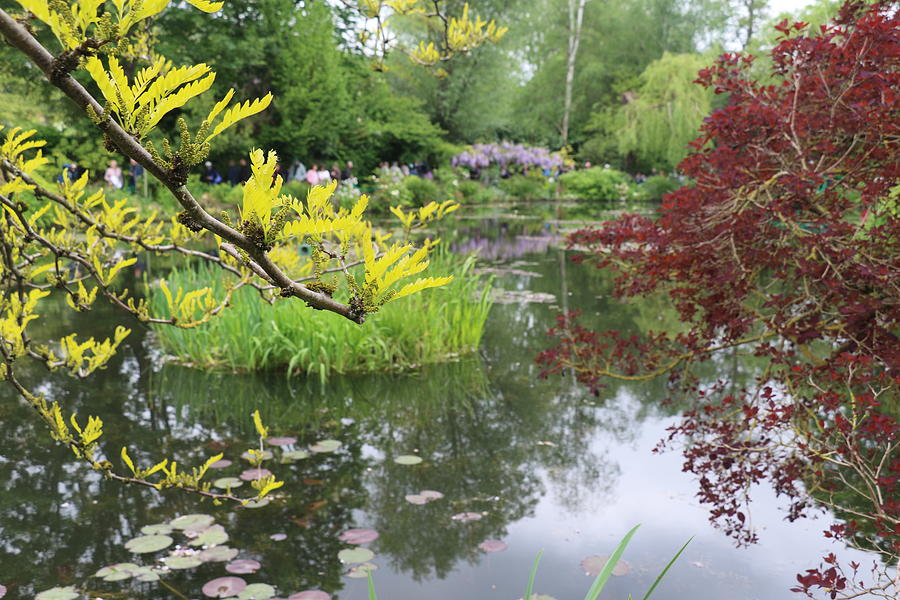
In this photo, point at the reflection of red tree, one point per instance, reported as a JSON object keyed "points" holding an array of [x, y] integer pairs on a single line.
{"points": [[788, 246]]}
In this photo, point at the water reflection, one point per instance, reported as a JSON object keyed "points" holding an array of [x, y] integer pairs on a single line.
{"points": [[531, 455]]}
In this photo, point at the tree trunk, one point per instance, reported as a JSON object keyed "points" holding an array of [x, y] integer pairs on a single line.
{"points": [[576, 16]]}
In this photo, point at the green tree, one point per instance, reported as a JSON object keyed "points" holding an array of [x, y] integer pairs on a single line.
{"points": [[665, 112]]}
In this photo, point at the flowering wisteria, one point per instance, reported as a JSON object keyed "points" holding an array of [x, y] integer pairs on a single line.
{"points": [[507, 154]]}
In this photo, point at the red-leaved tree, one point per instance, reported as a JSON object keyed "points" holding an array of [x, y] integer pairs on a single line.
{"points": [[787, 246]]}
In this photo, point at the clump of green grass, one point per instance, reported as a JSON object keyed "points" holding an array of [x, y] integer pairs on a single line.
{"points": [[431, 326]]}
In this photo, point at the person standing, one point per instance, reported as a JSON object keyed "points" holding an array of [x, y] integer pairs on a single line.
{"points": [[312, 176], [347, 173], [298, 172], [113, 175], [135, 173], [233, 174], [324, 176]]}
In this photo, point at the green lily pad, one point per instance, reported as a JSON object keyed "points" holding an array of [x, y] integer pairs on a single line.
{"points": [[116, 572], [292, 455], [257, 503], [361, 571], [212, 536], [58, 593], [157, 529], [146, 574], [218, 554], [182, 562], [325, 446], [257, 591], [408, 459], [355, 555], [148, 543], [195, 522], [228, 482]]}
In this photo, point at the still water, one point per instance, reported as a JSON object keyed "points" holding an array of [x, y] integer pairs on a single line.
{"points": [[547, 465]]}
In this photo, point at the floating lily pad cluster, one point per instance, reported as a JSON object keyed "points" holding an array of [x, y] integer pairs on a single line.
{"points": [[282, 448], [203, 543], [358, 559]]}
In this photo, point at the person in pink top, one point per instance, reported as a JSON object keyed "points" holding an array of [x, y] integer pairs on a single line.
{"points": [[113, 175], [312, 175]]}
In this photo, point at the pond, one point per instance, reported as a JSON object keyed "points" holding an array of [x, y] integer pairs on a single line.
{"points": [[541, 465]]}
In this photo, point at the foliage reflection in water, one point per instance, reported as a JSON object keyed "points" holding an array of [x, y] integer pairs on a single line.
{"points": [[543, 463]]}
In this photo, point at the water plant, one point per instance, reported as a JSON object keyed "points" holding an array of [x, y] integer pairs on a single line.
{"points": [[254, 336]]}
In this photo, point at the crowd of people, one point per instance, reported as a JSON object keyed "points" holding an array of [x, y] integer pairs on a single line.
{"points": [[239, 171]]}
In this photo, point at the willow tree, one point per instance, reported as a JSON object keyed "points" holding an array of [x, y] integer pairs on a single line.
{"points": [[666, 111]]}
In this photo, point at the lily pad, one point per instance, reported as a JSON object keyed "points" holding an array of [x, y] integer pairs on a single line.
{"points": [[146, 574], [212, 536], [223, 587], [292, 455], [281, 441], [220, 464], [266, 454], [117, 572], [193, 522], [257, 591], [310, 595], [257, 503], [148, 543], [182, 562], [358, 536], [325, 446], [355, 555], [431, 494], [228, 482], [251, 474], [592, 565], [492, 546], [58, 593], [361, 571], [466, 517], [408, 459], [278, 537], [416, 499], [243, 566], [157, 529], [218, 554]]}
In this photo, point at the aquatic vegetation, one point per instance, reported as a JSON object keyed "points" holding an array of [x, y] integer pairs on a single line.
{"points": [[413, 331]]}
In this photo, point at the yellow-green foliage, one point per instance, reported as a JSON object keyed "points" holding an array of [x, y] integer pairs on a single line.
{"points": [[58, 238]]}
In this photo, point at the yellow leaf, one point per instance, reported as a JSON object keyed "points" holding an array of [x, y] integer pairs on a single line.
{"points": [[127, 460]]}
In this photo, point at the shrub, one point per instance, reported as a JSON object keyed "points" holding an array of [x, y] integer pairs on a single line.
{"points": [[423, 191], [657, 186], [419, 329], [532, 186], [472, 192], [597, 184]]}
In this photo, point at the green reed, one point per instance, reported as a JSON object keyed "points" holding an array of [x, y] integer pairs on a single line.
{"points": [[432, 326]]}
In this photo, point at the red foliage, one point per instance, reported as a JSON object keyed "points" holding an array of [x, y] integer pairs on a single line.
{"points": [[787, 243]]}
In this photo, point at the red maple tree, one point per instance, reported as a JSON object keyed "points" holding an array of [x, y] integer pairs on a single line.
{"points": [[786, 245]]}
